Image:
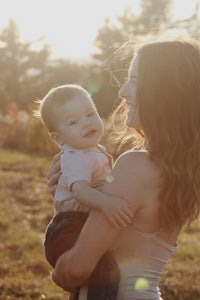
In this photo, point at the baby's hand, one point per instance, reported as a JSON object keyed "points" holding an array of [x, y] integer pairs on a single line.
{"points": [[117, 212]]}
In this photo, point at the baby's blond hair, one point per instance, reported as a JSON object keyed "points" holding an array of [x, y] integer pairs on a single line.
{"points": [[57, 96]]}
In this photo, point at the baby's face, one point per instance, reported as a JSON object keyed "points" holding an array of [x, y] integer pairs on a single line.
{"points": [[79, 124]]}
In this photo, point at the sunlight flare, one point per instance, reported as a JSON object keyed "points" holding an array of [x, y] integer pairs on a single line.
{"points": [[70, 27]]}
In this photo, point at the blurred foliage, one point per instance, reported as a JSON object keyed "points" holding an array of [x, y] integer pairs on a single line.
{"points": [[20, 68], [114, 53], [27, 74], [24, 132]]}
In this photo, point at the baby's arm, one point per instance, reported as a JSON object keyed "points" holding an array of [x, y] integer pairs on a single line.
{"points": [[115, 209]]}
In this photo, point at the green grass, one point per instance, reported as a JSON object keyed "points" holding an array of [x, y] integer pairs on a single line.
{"points": [[25, 210], [182, 275]]}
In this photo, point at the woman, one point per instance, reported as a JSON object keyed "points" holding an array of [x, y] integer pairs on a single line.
{"points": [[161, 183]]}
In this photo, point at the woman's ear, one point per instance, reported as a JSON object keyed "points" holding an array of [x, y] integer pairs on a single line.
{"points": [[56, 138]]}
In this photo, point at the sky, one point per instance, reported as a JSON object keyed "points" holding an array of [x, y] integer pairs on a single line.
{"points": [[70, 26]]}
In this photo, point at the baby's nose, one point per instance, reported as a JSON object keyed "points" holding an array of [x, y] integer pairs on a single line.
{"points": [[86, 123]]}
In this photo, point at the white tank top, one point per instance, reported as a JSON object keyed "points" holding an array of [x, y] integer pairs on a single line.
{"points": [[141, 258]]}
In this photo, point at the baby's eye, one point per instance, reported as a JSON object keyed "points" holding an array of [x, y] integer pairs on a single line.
{"points": [[71, 123]]}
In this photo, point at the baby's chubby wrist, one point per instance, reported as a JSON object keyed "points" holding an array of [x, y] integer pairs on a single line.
{"points": [[103, 202], [85, 194]]}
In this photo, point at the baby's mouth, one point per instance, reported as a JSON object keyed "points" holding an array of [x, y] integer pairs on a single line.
{"points": [[90, 132]]}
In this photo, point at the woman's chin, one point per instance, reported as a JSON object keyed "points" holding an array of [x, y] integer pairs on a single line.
{"points": [[129, 123]]}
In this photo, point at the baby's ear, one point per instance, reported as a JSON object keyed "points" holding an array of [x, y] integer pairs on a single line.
{"points": [[56, 137]]}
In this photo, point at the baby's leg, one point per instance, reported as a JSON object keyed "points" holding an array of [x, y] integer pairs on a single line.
{"points": [[62, 233]]}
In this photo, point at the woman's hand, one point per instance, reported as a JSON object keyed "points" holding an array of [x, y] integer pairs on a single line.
{"points": [[54, 173]]}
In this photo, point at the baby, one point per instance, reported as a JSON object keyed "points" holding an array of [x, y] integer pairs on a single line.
{"points": [[75, 125]]}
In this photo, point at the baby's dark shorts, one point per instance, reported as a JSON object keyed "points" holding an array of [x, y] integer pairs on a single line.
{"points": [[62, 233]]}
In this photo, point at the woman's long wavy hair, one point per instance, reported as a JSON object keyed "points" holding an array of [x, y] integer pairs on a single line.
{"points": [[168, 96]]}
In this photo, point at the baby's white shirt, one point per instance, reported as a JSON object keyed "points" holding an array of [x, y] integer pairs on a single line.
{"points": [[92, 164]]}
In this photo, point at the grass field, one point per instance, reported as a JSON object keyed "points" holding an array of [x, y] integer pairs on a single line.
{"points": [[25, 210]]}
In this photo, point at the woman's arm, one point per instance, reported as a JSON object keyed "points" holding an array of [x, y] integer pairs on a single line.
{"points": [[75, 266]]}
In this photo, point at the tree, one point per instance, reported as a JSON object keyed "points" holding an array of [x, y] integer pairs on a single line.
{"points": [[20, 66], [27, 74], [130, 26], [155, 17]]}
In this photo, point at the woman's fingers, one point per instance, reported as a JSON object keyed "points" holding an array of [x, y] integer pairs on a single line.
{"points": [[53, 178], [52, 189], [57, 156], [54, 173], [55, 166]]}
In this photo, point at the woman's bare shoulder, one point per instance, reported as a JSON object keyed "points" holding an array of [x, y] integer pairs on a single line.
{"points": [[133, 154], [137, 161], [133, 173]]}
